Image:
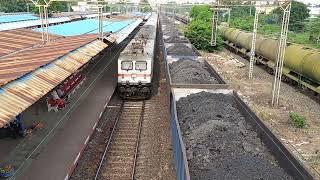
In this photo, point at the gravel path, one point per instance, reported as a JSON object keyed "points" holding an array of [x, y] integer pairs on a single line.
{"points": [[189, 71], [220, 144]]}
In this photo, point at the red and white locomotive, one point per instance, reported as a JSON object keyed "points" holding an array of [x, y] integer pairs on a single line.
{"points": [[135, 64]]}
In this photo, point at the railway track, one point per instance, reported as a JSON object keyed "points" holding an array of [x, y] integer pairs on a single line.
{"points": [[119, 158]]}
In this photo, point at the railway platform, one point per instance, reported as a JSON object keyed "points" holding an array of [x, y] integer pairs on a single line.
{"points": [[51, 152]]}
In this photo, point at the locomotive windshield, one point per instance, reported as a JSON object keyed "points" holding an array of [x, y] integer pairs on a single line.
{"points": [[141, 65], [126, 65]]}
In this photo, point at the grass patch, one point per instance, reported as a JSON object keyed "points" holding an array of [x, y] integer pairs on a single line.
{"points": [[297, 120]]}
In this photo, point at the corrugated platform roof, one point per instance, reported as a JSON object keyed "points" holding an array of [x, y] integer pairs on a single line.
{"points": [[18, 64], [30, 23], [4, 18], [14, 40], [87, 26], [17, 96]]}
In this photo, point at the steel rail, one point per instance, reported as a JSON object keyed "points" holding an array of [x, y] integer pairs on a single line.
{"points": [[138, 140], [109, 141]]}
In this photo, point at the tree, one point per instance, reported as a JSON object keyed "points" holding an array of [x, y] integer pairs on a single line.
{"points": [[54, 7], [244, 23], [298, 14], [242, 11], [145, 6], [10, 6], [201, 12], [198, 30], [314, 28]]}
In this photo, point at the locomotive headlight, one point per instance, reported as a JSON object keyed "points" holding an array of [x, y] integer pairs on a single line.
{"points": [[141, 65], [126, 65]]}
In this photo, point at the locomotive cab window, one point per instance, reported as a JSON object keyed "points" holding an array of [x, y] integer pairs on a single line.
{"points": [[126, 65], [141, 65]]}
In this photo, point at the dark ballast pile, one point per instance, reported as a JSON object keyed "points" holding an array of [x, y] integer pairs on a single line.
{"points": [[220, 143], [189, 71]]}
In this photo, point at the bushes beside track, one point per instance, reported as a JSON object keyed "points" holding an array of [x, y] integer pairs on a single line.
{"points": [[198, 30]]}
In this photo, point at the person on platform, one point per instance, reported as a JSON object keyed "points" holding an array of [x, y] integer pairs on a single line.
{"points": [[59, 101], [61, 93], [17, 127]]}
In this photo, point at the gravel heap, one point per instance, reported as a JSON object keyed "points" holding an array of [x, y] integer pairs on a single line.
{"points": [[220, 143], [181, 50], [176, 39], [189, 71]]}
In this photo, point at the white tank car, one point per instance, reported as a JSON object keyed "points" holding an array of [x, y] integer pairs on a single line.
{"points": [[135, 64]]}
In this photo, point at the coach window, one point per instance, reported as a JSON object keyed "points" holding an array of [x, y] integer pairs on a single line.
{"points": [[126, 65], [141, 65]]}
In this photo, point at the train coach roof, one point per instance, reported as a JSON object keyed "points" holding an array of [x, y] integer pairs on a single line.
{"points": [[153, 20], [147, 32]]}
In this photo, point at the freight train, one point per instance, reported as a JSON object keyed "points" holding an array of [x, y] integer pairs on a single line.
{"points": [[301, 64], [135, 64]]}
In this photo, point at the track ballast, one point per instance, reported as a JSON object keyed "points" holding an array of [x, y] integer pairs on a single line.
{"points": [[119, 159]]}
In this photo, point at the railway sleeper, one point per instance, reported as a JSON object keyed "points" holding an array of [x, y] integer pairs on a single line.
{"points": [[128, 123], [127, 110], [122, 147], [117, 177], [127, 116], [128, 129], [119, 159], [128, 165], [124, 143], [143, 176], [123, 137], [125, 133], [136, 106]]}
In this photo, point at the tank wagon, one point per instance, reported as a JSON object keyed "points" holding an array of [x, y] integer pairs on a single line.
{"points": [[301, 64], [135, 64]]}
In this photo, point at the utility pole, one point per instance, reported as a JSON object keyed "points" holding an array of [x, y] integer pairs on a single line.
{"points": [[286, 7], [253, 42], [214, 29]]}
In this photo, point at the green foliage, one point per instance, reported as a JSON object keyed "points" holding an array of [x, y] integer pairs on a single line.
{"points": [[199, 34], [198, 30], [201, 12], [298, 14], [53, 8], [242, 11], [146, 7], [297, 120], [244, 23], [10, 6], [314, 29]]}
